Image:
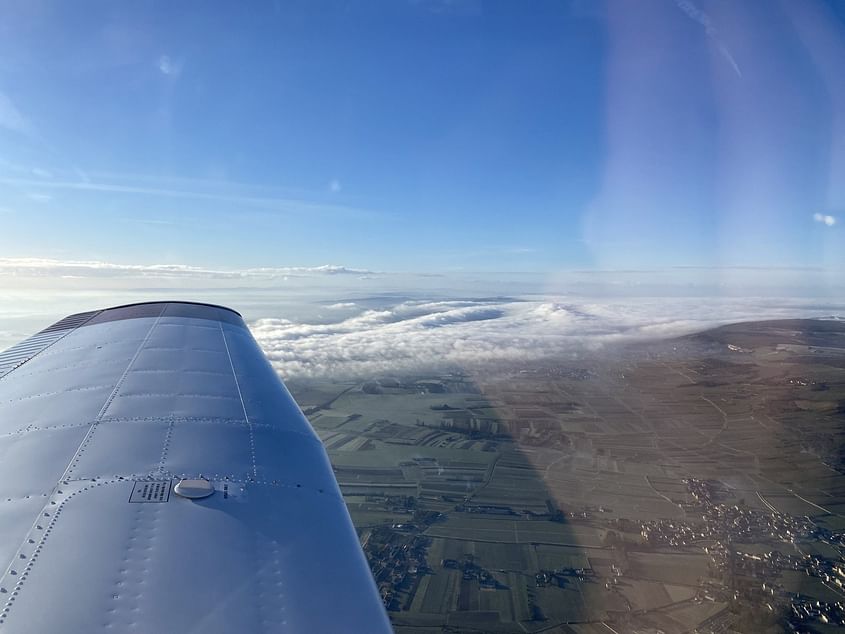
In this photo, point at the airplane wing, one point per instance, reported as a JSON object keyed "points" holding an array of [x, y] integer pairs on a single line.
{"points": [[156, 476]]}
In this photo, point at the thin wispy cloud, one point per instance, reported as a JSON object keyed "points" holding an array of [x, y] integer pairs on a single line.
{"points": [[12, 119], [149, 221], [696, 14], [334, 185], [280, 204], [825, 219], [170, 67], [46, 267]]}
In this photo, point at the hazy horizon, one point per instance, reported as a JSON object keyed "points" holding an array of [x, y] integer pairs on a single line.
{"points": [[336, 321]]}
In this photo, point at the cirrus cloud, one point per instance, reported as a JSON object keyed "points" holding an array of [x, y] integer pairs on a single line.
{"points": [[41, 267], [13, 119]]}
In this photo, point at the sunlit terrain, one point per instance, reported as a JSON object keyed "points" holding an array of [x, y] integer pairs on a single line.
{"points": [[691, 484]]}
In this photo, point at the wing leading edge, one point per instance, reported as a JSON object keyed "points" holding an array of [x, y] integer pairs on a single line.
{"points": [[101, 416]]}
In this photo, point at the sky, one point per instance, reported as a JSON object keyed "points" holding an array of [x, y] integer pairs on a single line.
{"points": [[283, 157], [426, 135]]}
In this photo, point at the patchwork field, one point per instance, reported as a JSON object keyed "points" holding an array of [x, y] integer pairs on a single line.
{"points": [[690, 484]]}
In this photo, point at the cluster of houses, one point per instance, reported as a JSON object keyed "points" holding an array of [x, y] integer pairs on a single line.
{"points": [[398, 560], [754, 576], [471, 570]]}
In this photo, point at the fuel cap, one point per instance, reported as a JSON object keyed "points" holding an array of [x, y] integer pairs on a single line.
{"points": [[194, 489]]}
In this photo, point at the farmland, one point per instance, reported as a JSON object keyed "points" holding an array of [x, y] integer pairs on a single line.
{"points": [[690, 483]]}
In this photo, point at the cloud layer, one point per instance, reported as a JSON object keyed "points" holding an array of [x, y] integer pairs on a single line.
{"points": [[338, 321], [424, 335], [38, 267]]}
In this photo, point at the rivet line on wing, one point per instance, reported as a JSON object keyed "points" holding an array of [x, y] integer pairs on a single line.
{"points": [[88, 437], [243, 405]]}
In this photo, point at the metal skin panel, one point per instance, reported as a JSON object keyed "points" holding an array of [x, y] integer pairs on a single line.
{"points": [[99, 424]]}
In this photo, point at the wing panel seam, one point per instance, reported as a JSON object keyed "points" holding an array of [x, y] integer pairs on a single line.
{"points": [[75, 459], [243, 405]]}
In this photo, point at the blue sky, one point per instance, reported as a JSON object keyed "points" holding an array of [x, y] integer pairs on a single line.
{"points": [[425, 136]]}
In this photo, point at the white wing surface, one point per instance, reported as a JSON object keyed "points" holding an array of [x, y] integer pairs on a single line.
{"points": [[108, 420]]}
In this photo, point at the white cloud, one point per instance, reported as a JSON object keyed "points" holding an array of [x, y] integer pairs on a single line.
{"points": [[420, 335], [39, 198], [825, 219], [324, 269]]}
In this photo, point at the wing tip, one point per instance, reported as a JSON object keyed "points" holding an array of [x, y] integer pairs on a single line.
{"points": [[173, 301]]}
